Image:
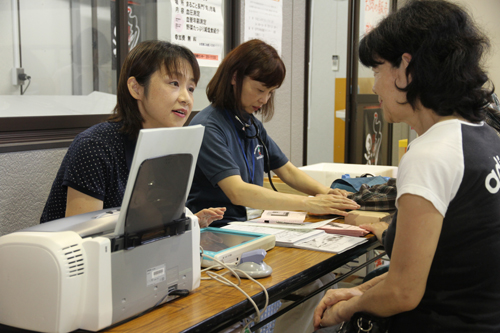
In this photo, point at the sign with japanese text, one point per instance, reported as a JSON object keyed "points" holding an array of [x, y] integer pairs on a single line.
{"points": [[199, 25]]}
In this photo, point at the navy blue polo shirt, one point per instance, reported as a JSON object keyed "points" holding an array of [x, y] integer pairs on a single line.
{"points": [[227, 151]]}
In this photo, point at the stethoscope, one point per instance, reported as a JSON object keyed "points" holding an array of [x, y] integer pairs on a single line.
{"points": [[245, 127]]}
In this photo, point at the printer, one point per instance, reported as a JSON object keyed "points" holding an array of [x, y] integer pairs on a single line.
{"points": [[97, 269]]}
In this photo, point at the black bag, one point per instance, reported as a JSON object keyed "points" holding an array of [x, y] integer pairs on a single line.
{"points": [[362, 322]]}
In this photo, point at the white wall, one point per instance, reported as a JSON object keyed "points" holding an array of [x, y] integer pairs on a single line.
{"points": [[46, 46], [6, 50], [286, 128], [328, 37], [25, 188], [486, 14]]}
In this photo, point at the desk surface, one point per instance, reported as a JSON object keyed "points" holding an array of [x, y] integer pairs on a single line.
{"points": [[213, 306]]}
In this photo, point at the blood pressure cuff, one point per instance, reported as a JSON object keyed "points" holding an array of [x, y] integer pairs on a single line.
{"points": [[354, 184]]}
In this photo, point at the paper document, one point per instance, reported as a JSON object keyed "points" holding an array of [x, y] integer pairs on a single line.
{"points": [[331, 243], [281, 216], [284, 237], [285, 225]]}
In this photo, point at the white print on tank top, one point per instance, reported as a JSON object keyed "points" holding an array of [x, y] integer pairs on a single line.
{"points": [[492, 181]]}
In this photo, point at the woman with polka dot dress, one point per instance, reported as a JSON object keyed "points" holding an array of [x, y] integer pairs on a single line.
{"points": [[155, 90]]}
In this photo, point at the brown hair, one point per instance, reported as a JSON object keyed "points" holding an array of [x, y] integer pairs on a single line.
{"points": [[142, 61], [254, 59]]}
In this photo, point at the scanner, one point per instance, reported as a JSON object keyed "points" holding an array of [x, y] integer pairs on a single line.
{"points": [[94, 270]]}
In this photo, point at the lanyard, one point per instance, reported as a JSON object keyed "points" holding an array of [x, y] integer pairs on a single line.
{"points": [[251, 171]]}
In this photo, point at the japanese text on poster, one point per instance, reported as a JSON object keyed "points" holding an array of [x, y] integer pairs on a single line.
{"points": [[199, 25], [264, 20], [374, 12]]}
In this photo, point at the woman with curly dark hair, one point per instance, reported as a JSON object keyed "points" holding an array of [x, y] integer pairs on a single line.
{"points": [[444, 241]]}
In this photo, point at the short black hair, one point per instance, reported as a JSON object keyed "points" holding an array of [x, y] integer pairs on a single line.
{"points": [[446, 49]]}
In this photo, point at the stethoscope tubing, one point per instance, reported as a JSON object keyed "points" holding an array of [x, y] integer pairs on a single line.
{"points": [[267, 164]]}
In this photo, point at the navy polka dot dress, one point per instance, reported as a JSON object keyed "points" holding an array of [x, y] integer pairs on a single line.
{"points": [[96, 164]]}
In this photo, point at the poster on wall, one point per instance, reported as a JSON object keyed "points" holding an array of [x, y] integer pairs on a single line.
{"points": [[373, 129], [264, 21], [199, 26], [372, 13], [136, 16]]}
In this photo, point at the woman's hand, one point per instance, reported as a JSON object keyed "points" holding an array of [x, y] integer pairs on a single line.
{"points": [[335, 315], [327, 312], [208, 215], [326, 204], [337, 191], [376, 228]]}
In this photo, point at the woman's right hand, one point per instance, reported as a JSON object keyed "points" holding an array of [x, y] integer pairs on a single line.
{"points": [[208, 215], [326, 204], [377, 228], [332, 297]]}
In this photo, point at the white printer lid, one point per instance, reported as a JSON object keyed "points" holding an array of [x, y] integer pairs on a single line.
{"points": [[158, 142], [160, 177]]}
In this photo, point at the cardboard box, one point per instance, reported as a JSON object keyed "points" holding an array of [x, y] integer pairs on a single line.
{"points": [[359, 217], [326, 173]]}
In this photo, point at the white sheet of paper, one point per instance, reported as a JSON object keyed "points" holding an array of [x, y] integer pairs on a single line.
{"points": [[283, 216], [264, 21], [305, 225], [284, 237], [331, 243]]}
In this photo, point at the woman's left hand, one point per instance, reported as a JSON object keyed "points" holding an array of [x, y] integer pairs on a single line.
{"points": [[340, 192], [208, 215], [323, 314]]}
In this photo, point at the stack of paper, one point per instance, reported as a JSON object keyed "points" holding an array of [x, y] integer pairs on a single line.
{"points": [[344, 229], [301, 237]]}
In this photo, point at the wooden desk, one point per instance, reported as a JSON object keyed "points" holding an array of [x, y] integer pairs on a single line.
{"points": [[214, 306]]}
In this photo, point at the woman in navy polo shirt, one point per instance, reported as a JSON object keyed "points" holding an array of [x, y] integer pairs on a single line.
{"points": [[237, 150]]}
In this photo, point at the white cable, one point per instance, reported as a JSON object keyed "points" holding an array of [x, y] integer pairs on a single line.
{"points": [[29, 82], [220, 278]]}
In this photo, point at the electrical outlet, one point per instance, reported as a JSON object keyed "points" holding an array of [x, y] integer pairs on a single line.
{"points": [[15, 76]]}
